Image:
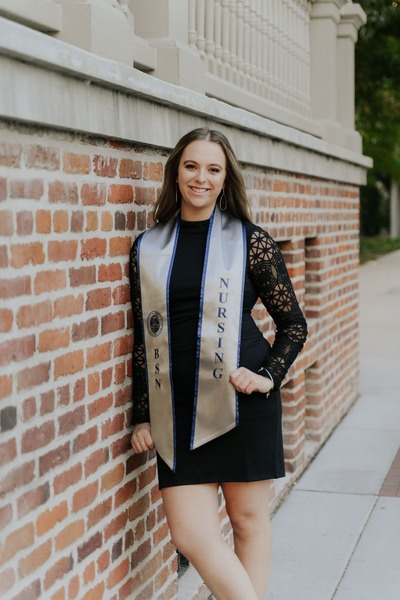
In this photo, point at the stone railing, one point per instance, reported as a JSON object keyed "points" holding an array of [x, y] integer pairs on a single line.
{"points": [[291, 61]]}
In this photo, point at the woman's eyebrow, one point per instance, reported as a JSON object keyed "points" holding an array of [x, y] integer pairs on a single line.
{"points": [[195, 162]]}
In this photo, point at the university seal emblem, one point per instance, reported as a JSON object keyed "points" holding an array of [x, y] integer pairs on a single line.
{"points": [[154, 323]]}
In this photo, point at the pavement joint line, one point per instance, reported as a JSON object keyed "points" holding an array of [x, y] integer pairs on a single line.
{"points": [[354, 549], [371, 494]]}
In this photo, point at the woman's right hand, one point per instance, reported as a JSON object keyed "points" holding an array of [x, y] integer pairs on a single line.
{"points": [[141, 439]]}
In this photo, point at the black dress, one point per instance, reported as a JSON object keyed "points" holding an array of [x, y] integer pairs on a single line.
{"points": [[253, 450]]}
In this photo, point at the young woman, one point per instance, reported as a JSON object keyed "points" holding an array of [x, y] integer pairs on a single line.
{"points": [[205, 381]]}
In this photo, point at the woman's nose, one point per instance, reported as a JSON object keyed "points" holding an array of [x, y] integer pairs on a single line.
{"points": [[201, 175]]}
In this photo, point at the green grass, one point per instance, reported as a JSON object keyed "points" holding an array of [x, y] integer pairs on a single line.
{"points": [[372, 248]]}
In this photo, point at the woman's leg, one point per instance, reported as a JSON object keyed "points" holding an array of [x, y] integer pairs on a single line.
{"points": [[247, 505], [193, 519]]}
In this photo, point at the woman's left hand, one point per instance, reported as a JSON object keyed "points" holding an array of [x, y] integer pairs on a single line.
{"points": [[246, 381]]}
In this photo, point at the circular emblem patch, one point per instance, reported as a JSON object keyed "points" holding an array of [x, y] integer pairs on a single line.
{"points": [[154, 323]]}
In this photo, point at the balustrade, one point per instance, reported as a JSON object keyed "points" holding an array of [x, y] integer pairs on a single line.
{"points": [[261, 47]]}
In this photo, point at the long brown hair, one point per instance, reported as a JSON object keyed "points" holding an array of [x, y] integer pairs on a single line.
{"points": [[235, 193]]}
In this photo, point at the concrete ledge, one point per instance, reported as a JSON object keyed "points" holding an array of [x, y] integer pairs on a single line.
{"points": [[54, 84]]}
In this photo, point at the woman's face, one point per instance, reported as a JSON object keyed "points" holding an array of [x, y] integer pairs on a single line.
{"points": [[201, 177]]}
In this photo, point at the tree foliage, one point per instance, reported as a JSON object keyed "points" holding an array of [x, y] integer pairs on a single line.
{"points": [[377, 84]]}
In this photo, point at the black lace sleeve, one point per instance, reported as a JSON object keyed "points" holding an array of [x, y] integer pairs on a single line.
{"points": [[269, 274], [140, 395]]}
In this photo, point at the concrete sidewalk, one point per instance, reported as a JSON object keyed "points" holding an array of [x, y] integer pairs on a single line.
{"points": [[337, 534]]}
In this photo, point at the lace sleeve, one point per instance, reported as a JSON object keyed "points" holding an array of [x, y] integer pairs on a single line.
{"points": [[139, 382], [269, 274]]}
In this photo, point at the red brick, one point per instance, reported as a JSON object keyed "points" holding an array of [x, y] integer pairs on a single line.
{"points": [[119, 373], [17, 349], [95, 461], [93, 383], [60, 221], [120, 246], [73, 588], [43, 221], [53, 339], [125, 493], [105, 166], [16, 541], [120, 194], [18, 477], [86, 330], [96, 593], [86, 439], [63, 192], [131, 169], [6, 320], [46, 281], [68, 364], [28, 409], [130, 220], [32, 500], [106, 221], [89, 573], [8, 451], [121, 294], [10, 155], [103, 562], [97, 299], [33, 315], [70, 421], [31, 592], [93, 248], [68, 306], [6, 222], [67, 478], [79, 390], [106, 378], [58, 571], [92, 221], [49, 519], [123, 345], [25, 254], [85, 496], [153, 171], [100, 406], [112, 478], [70, 534], [37, 437], [11, 288], [94, 194], [53, 459], [3, 256], [82, 276], [47, 402], [24, 222], [33, 376], [77, 221], [118, 574], [110, 272], [35, 559], [76, 163], [42, 157], [29, 189], [5, 385], [92, 544], [3, 188], [7, 580], [145, 195], [99, 512], [112, 322], [98, 354], [112, 426], [61, 251]]}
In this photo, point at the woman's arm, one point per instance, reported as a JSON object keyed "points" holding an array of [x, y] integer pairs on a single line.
{"points": [[270, 276]]}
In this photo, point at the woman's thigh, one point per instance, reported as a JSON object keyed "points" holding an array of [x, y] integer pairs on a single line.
{"points": [[247, 503]]}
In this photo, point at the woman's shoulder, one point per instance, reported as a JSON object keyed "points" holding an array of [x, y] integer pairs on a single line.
{"points": [[254, 231]]}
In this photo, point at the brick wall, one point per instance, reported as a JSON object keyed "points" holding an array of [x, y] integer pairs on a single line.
{"points": [[80, 515]]}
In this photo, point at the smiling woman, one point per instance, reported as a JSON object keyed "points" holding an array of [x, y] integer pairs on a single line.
{"points": [[205, 380], [201, 178]]}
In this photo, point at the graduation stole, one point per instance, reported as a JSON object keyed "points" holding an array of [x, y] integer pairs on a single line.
{"points": [[219, 329]]}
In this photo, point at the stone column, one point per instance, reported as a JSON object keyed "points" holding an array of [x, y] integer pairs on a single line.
{"points": [[165, 25], [104, 27], [325, 17], [352, 17]]}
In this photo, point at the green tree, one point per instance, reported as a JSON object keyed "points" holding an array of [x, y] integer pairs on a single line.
{"points": [[377, 84]]}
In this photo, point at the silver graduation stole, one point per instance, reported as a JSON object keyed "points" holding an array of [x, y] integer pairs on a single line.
{"points": [[219, 331]]}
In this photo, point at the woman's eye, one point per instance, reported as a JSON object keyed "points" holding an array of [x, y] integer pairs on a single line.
{"points": [[214, 170], [189, 166]]}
